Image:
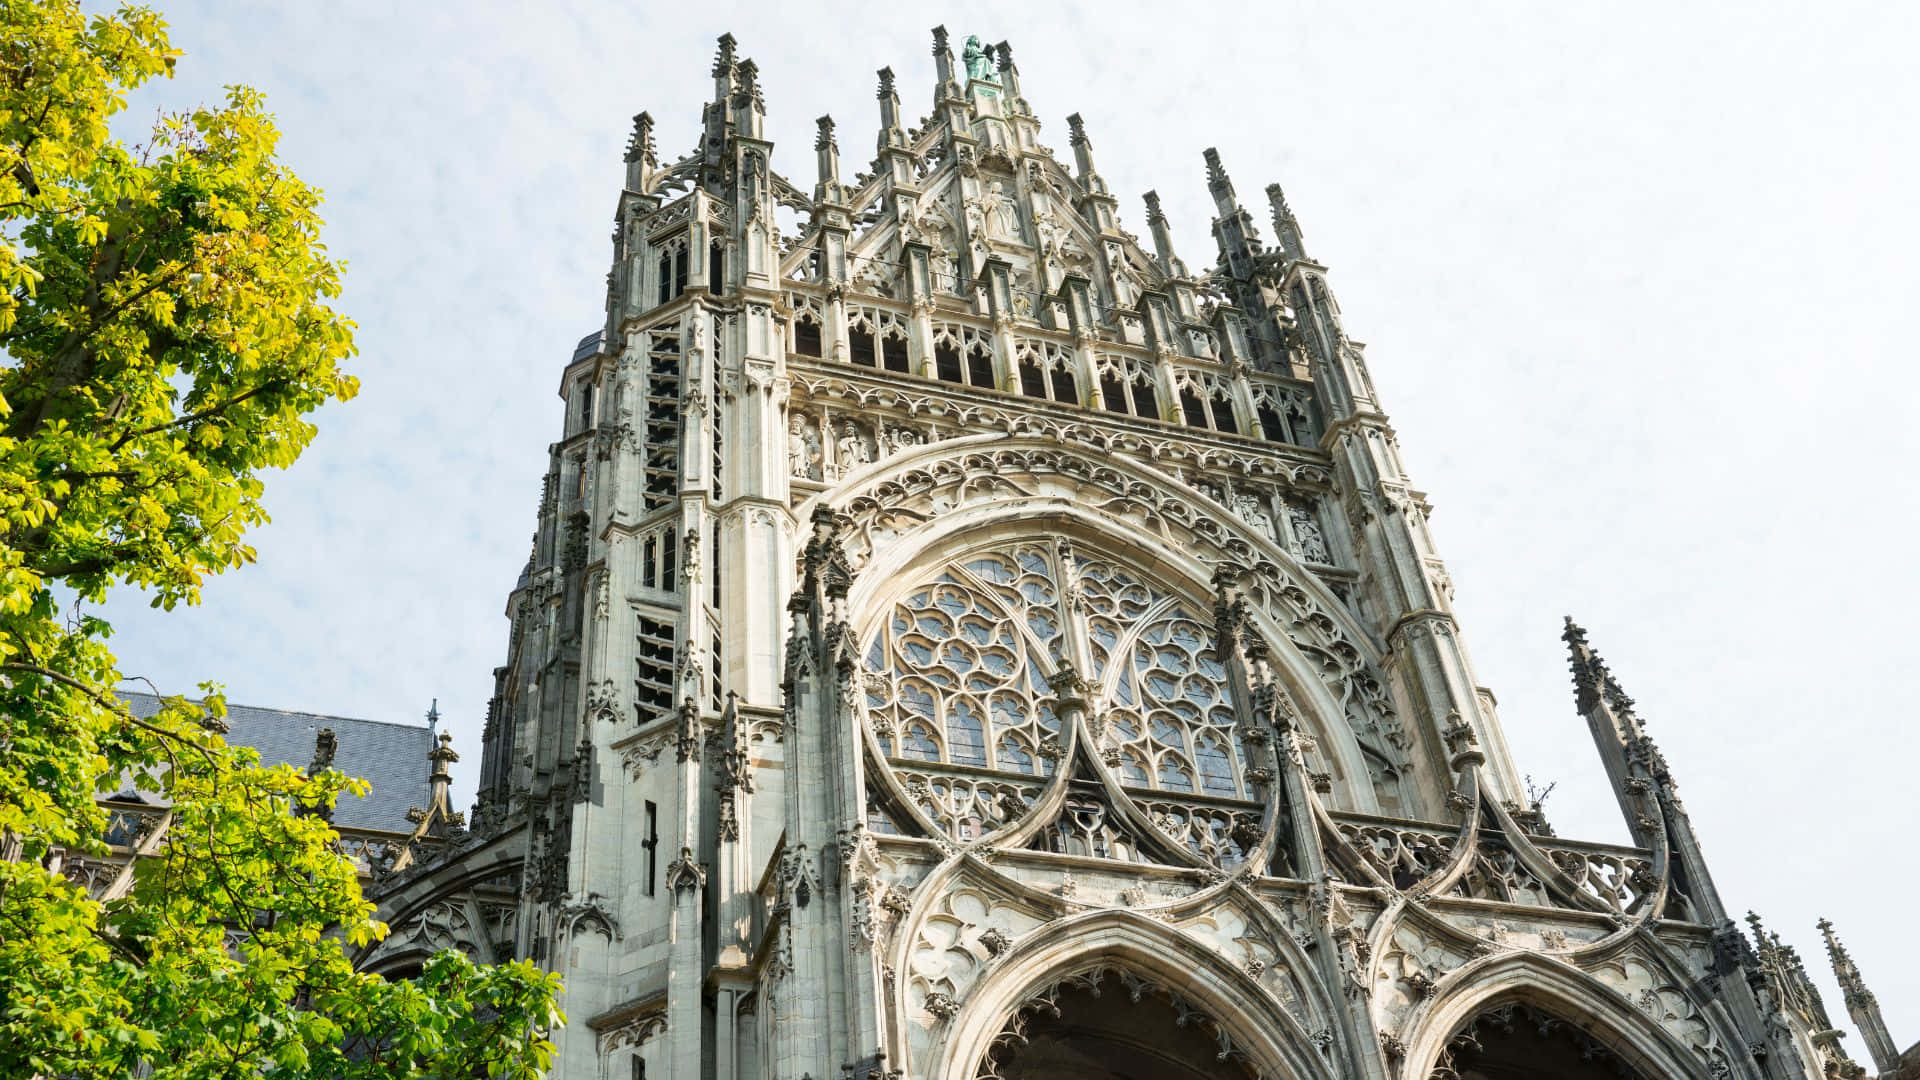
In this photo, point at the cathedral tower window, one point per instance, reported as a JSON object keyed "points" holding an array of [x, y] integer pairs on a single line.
{"points": [[946, 362], [670, 269], [653, 681], [716, 268], [806, 335], [958, 682]]}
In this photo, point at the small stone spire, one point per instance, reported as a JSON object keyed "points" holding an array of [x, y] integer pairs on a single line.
{"points": [[1162, 238], [1218, 183], [1082, 146], [640, 143], [1009, 75], [1292, 244], [1861, 1004], [943, 65], [890, 132], [827, 157], [723, 62]]}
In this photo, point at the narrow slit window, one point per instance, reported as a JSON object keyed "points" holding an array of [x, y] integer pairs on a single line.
{"points": [[716, 269], [860, 346], [1193, 409], [1145, 402], [1114, 392], [980, 368], [1064, 389], [1223, 416], [893, 353], [806, 337], [1270, 425], [1033, 381], [946, 363]]}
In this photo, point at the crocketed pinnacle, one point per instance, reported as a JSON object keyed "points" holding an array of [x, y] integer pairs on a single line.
{"points": [[1845, 971]]}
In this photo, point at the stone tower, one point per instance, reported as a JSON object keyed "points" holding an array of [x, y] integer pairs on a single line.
{"points": [[963, 640]]}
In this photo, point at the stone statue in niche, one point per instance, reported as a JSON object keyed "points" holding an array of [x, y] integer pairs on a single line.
{"points": [[1006, 212], [849, 450], [803, 448], [903, 438], [1308, 542], [1126, 281], [1248, 508]]}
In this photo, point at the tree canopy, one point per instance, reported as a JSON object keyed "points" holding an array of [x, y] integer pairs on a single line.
{"points": [[165, 332]]}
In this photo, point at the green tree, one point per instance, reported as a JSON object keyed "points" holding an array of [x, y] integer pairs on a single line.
{"points": [[164, 335]]}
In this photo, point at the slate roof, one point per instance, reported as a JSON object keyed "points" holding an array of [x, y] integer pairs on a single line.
{"points": [[588, 346], [390, 757]]}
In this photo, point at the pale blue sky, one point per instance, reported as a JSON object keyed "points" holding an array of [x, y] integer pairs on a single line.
{"points": [[1637, 282]]}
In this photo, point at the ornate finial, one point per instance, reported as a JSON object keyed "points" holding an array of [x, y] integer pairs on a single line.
{"points": [[750, 83], [1292, 243], [823, 137], [939, 40], [1588, 670], [1152, 199], [443, 755], [1217, 174], [723, 62], [1003, 56], [1078, 130], [1231, 613], [324, 746], [433, 715], [886, 83], [640, 145], [1845, 971]]}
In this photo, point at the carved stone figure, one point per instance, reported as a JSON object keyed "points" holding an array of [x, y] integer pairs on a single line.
{"points": [[1005, 220], [979, 61], [1309, 544], [849, 450], [803, 448], [1249, 509]]}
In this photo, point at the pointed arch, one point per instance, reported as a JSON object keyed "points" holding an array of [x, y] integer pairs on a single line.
{"points": [[1243, 1018], [1564, 992], [918, 510]]}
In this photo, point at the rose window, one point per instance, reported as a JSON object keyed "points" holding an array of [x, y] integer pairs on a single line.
{"points": [[957, 677]]}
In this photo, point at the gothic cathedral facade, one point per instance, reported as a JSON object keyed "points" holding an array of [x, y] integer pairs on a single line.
{"points": [[963, 641]]}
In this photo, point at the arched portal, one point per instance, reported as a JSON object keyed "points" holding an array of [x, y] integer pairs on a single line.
{"points": [[1110, 1025], [1517, 1041]]}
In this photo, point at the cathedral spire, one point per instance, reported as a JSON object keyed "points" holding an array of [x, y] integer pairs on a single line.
{"points": [[641, 159], [1082, 150], [749, 108], [1009, 75], [1861, 1004], [890, 132], [1220, 185], [827, 160], [1170, 263], [944, 86], [1285, 226], [1610, 719]]}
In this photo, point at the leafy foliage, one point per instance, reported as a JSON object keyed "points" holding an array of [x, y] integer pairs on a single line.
{"points": [[164, 334]]}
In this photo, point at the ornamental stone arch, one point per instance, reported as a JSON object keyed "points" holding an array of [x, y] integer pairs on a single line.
{"points": [[470, 905], [912, 517], [1132, 958], [1595, 1014]]}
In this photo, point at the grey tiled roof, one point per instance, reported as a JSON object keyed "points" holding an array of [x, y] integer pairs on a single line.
{"points": [[588, 346], [390, 757]]}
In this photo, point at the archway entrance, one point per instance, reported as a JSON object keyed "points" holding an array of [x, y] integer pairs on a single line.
{"points": [[1111, 1024], [1515, 1041]]}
